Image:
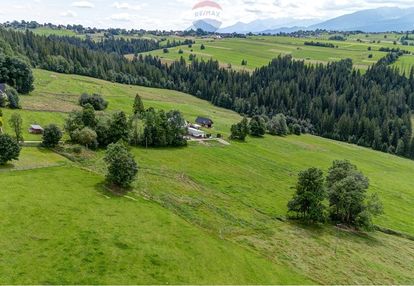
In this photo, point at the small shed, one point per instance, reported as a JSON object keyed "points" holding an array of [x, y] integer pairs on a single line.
{"points": [[36, 129], [205, 122], [196, 133]]}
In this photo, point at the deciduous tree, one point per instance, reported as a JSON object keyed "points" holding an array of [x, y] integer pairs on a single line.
{"points": [[122, 168], [307, 202], [9, 149]]}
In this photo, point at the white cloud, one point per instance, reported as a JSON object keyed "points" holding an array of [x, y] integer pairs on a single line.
{"points": [[126, 6], [122, 17], [69, 14], [83, 4]]}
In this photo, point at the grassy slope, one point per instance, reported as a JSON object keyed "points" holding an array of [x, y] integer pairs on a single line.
{"points": [[59, 226], [259, 50], [237, 192]]}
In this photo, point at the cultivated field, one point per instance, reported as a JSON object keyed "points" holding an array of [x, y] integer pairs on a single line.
{"points": [[208, 213]]}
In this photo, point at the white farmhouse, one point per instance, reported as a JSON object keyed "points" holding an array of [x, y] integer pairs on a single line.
{"points": [[196, 133]]}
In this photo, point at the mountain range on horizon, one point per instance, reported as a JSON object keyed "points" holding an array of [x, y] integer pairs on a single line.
{"points": [[383, 19]]}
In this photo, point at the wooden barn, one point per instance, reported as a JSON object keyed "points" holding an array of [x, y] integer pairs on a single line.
{"points": [[36, 129]]}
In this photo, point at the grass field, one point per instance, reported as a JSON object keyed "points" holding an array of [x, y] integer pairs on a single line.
{"points": [[59, 226], [207, 213], [259, 50]]}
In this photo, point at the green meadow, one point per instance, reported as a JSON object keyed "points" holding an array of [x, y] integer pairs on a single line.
{"points": [[260, 50], [208, 213]]}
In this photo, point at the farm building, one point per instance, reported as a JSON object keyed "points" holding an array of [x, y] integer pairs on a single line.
{"points": [[36, 129], [205, 122], [196, 133], [195, 126]]}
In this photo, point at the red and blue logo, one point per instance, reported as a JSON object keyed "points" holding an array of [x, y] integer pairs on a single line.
{"points": [[207, 16]]}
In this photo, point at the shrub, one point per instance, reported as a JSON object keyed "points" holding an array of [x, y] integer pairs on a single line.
{"points": [[9, 149], [96, 100], [307, 202], [13, 98], [240, 130], [348, 201], [122, 168], [138, 107], [257, 126], [296, 129], [51, 136], [16, 123], [86, 137], [278, 126]]}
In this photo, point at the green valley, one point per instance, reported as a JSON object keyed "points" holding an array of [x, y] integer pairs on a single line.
{"points": [[207, 213]]}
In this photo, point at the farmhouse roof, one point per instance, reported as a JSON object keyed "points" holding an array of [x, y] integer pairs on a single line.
{"points": [[204, 120], [36, 127]]}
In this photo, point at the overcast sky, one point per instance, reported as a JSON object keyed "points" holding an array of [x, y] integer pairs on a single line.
{"points": [[175, 14]]}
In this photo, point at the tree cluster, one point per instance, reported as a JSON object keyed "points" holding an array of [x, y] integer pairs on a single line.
{"points": [[344, 189], [319, 44], [96, 100], [145, 128], [10, 98], [161, 129], [16, 73], [9, 149]]}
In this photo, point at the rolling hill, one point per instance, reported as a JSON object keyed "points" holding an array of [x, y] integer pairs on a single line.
{"points": [[208, 213], [378, 20], [373, 20]]}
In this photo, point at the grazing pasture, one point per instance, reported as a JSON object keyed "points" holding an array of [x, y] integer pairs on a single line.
{"points": [[208, 213]]}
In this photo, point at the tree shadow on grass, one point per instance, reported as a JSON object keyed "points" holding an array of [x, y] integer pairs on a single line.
{"points": [[341, 232], [7, 167], [111, 191]]}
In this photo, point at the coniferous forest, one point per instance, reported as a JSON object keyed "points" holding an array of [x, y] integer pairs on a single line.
{"points": [[333, 101]]}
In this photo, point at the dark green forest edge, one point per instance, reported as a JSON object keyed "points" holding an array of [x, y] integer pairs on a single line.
{"points": [[334, 101]]}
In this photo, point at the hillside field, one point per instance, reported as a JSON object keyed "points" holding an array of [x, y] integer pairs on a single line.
{"points": [[208, 213], [259, 50]]}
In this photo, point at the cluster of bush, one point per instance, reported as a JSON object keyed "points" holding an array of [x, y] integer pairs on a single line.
{"points": [[319, 44], [142, 128], [278, 125], [344, 189], [9, 98], [337, 38], [96, 100]]}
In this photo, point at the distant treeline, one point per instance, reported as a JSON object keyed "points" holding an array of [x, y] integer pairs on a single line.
{"points": [[319, 44], [337, 38], [119, 46], [393, 55], [372, 110]]}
